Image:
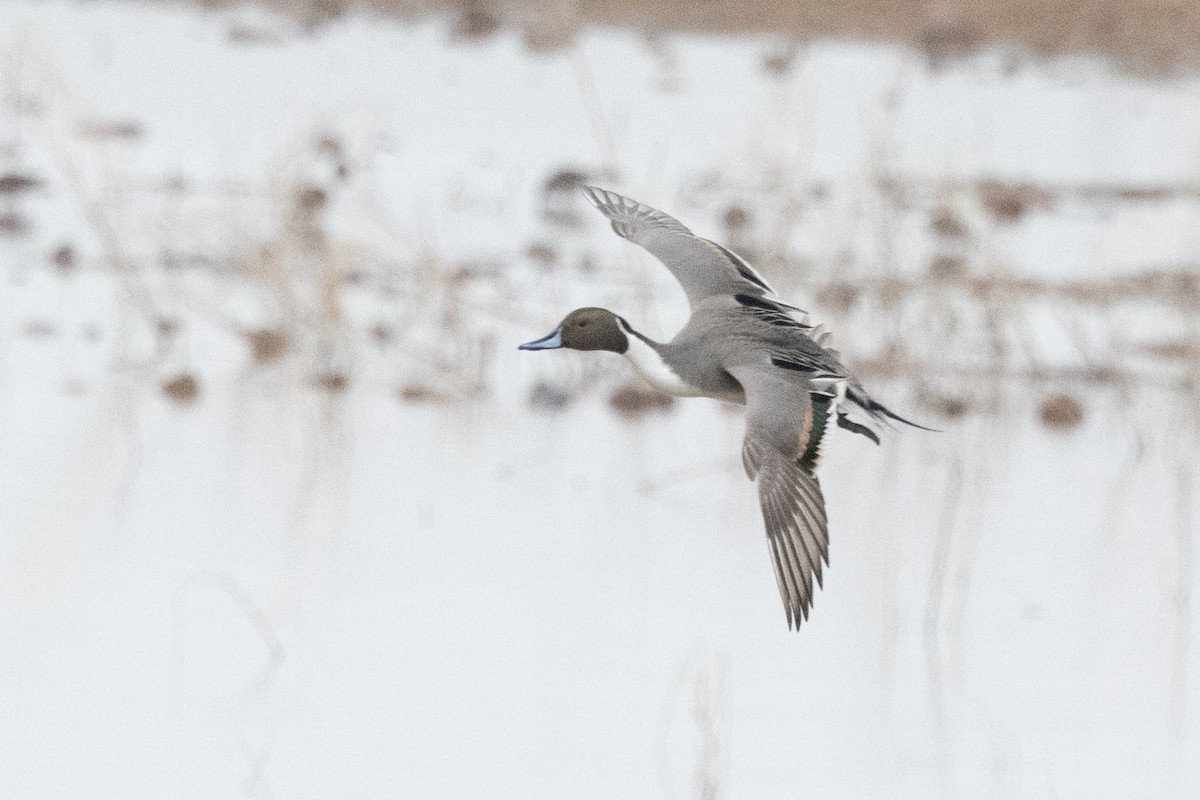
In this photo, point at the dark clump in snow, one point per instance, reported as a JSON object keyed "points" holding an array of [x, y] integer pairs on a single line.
{"points": [[421, 394], [631, 401], [947, 223], [64, 259], [332, 381], [183, 389], [474, 23], [13, 183], [14, 225], [124, 130], [267, 345], [548, 397], [39, 329], [382, 334], [947, 267], [1061, 412], [735, 219], [166, 329], [311, 199], [1008, 203], [542, 253], [560, 197]]}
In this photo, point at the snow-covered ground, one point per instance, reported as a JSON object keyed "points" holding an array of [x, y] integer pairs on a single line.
{"points": [[274, 589]]}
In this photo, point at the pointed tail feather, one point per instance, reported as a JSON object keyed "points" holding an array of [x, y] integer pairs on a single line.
{"points": [[878, 409]]}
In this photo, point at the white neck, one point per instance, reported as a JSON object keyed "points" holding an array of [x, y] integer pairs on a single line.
{"points": [[650, 365]]}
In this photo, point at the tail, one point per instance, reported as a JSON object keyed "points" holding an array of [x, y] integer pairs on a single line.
{"points": [[874, 412], [879, 411]]}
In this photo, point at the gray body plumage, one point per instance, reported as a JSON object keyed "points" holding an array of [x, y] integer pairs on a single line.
{"points": [[722, 334]]}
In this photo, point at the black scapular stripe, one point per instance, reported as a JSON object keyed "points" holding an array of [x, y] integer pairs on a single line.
{"points": [[757, 302], [792, 365], [771, 312]]}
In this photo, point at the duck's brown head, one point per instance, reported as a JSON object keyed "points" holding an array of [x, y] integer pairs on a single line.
{"points": [[586, 329]]}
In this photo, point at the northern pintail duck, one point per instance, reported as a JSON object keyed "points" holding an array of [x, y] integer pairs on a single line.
{"points": [[742, 344]]}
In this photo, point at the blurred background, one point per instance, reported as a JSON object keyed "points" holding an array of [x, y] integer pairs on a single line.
{"points": [[286, 514]]}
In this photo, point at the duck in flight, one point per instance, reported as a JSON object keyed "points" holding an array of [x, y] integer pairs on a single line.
{"points": [[742, 344]]}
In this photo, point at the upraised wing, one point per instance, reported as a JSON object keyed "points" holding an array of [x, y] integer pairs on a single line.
{"points": [[702, 267]]}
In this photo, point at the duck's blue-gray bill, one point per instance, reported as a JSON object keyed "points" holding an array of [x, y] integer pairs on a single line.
{"points": [[552, 341]]}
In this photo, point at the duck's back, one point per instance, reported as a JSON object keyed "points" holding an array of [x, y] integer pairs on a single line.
{"points": [[716, 339]]}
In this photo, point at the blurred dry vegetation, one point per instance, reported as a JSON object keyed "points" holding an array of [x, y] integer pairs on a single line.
{"points": [[1143, 35], [963, 330]]}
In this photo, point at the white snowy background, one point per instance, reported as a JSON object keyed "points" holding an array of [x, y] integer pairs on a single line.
{"points": [[384, 554]]}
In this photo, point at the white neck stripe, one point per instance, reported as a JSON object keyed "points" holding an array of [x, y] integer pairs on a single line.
{"points": [[650, 365]]}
